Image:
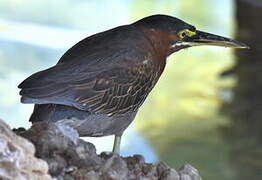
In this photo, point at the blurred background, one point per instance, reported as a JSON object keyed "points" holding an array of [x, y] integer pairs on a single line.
{"points": [[206, 109]]}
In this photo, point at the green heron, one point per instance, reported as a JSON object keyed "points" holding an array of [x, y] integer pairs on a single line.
{"points": [[99, 84]]}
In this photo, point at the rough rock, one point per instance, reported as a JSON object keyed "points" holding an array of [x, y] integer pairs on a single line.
{"points": [[70, 158], [17, 160]]}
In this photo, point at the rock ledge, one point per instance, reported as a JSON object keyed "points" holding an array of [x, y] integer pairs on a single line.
{"points": [[69, 157]]}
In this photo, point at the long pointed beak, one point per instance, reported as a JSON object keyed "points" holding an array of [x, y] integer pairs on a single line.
{"points": [[203, 38]]}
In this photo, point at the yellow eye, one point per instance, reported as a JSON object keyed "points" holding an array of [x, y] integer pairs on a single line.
{"points": [[185, 33]]}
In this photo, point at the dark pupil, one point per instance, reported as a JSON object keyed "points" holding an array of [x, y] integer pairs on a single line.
{"points": [[183, 34]]}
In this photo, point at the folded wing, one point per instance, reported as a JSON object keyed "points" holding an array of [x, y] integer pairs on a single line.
{"points": [[113, 82]]}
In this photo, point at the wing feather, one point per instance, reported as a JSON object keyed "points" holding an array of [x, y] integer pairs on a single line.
{"points": [[108, 81]]}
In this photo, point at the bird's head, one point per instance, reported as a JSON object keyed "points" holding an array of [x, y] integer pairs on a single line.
{"points": [[171, 34]]}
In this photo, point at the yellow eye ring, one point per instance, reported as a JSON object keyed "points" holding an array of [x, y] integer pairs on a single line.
{"points": [[185, 33]]}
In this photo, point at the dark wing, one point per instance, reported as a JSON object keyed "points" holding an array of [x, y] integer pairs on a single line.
{"points": [[118, 82], [114, 91]]}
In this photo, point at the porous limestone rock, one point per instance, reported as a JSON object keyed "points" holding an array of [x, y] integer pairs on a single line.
{"points": [[17, 160], [69, 158]]}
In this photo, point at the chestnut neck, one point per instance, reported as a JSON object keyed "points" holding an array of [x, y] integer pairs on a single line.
{"points": [[159, 41]]}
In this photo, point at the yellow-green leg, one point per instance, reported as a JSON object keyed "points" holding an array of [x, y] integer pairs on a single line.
{"points": [[116, 147]]}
